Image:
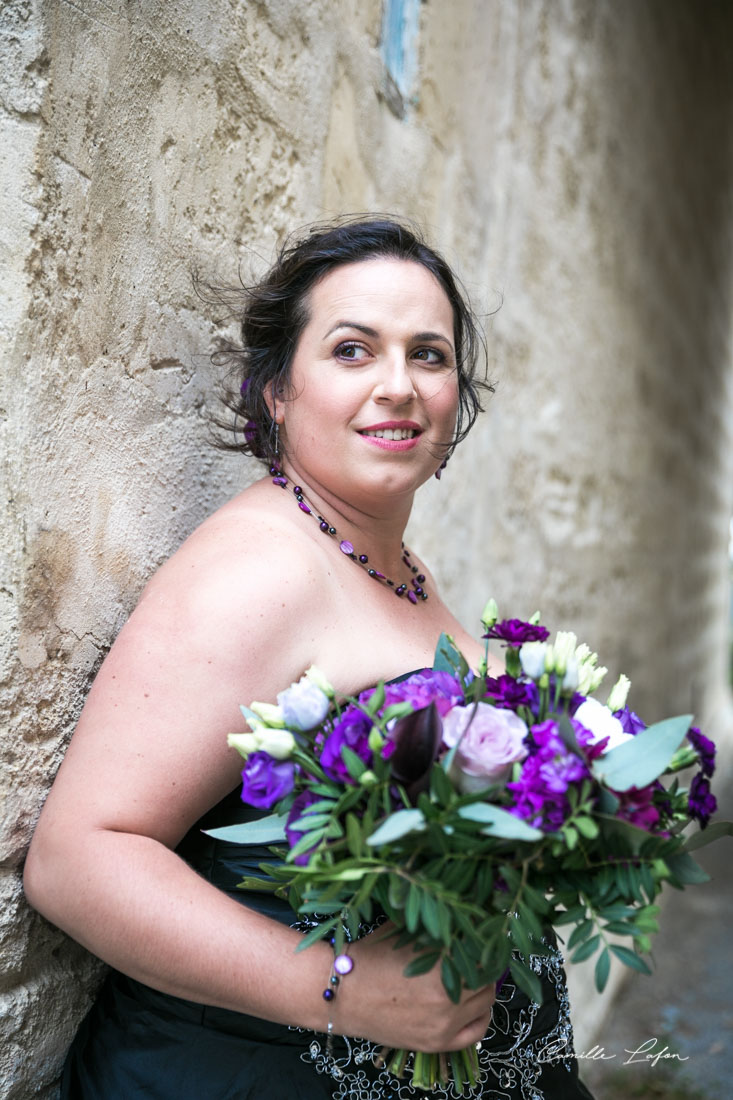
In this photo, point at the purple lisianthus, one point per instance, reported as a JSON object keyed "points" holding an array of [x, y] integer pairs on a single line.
{"points": [[352, 730], [705, 749], [300, 805], [541, 790], [421, 689], [510, 694], [266, 780], [517, 632], [701, 801], [630, 722]]}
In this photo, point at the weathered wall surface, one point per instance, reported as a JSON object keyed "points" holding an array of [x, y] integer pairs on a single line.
{"points": [[571, 157]]}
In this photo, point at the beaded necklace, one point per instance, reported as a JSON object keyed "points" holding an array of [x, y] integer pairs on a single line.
{"points": [[417, 580]]}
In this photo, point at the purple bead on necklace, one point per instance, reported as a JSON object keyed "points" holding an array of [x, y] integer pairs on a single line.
{"points": [[414, 591]]}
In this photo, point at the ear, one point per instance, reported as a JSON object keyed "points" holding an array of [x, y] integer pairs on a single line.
{"points": [[273, 400]]}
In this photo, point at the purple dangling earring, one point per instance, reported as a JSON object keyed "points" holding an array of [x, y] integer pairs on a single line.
{"points": [[440, 469], [278, 478]]}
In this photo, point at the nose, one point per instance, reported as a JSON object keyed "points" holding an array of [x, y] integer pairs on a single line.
{"points": [[395, 384]]}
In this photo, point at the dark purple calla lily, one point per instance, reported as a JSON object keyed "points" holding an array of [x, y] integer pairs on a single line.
{"points": [[416, 739]]}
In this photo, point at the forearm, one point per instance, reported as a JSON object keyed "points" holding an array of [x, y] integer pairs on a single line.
{"points": [[135, 904]]}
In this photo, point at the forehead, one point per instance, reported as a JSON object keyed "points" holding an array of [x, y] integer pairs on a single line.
{"points": [[382, 289]]}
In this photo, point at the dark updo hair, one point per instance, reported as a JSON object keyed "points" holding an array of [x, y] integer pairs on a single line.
{"points": [[274, 313]]}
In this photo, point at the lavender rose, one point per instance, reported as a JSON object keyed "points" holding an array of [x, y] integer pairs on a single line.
{"points": [[303, 705], [266, 780], [489, 741]]}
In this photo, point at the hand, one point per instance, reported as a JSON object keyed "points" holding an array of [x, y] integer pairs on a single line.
{"points": [[377, 1002]]}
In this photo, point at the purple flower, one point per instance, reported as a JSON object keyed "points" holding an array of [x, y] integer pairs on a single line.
{"points": [[701, 802], [510, 694], [637, 807], [517, 632], [705, 748], [541, 790], [352, 729], [630, 722], [300, 805], [266, 780], [421, 689]]}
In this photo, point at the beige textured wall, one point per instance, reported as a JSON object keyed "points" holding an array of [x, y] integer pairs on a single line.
{"points": [[572, 156]]}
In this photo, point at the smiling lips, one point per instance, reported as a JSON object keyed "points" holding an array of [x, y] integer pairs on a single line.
{"points": [[393, 435]]}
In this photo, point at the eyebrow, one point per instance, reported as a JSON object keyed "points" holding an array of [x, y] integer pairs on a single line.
{"points": [[374, 334]]}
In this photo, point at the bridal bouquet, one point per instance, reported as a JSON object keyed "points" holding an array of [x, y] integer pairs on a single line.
{"points": [[478, 812]]}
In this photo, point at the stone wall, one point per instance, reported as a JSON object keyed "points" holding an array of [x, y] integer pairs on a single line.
{"points": [[572, 158]]}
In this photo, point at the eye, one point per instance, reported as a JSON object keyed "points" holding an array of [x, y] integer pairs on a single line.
{"points": [[351, 351], [433, 356]]}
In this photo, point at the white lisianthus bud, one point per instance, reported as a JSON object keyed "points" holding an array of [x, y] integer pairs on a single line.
{"points": [[278, 744], [570, 678], [316, 677], [590, 674], [549, 658], [564, 648], [619, 693], [532, 659], [490, 614], [270, 714], [244, 743], [376, 741]]}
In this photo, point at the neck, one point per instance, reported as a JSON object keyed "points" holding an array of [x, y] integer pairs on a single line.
{"points": [[409, 584], [376, 526]]}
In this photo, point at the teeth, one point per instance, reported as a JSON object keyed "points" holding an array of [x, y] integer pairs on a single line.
{"points": [[393, 433]]}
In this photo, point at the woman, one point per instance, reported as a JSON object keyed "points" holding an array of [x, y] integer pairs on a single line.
{"points": [[357, 379]]}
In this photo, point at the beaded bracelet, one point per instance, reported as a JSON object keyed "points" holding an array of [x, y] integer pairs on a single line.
{"points": [[340, 967]]}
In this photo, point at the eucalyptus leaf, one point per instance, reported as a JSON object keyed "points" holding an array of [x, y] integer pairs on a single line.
{"points": [[643, 758], [499, 822], [705, 836], [447, 658], [528, 982], [397, 825], [266, 830]]}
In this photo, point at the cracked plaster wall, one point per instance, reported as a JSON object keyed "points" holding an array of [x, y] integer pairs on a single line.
{"points": [[572, 158]]}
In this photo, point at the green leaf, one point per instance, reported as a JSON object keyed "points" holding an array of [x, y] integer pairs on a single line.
{"points": [[572, 916], [355, 766], [685, 869], [306, 842], [586, 949], [642, 759], [421, 964], [429, 910], [587, 827], [528, 982], [397, 825], [499, 822], [447, 657], [520, 936], [310, 821], [571, 836], [603, 967], [412, 908], [353, 835], [376, 699], [630, 958], [266, 830], [451, 979], [580, 933], [567, 733], [705, 836]]}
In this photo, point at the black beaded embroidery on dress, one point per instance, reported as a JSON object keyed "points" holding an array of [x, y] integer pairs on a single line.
{"points": [[514, 1061]]}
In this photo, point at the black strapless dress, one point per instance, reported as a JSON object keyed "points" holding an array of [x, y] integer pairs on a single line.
{"points": [[138, 1042]]}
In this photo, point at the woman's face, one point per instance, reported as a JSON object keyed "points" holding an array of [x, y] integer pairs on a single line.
{"points": [[373, 391]]}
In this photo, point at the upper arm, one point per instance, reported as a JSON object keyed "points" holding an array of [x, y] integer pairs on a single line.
{"points": [[212, 630]]}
